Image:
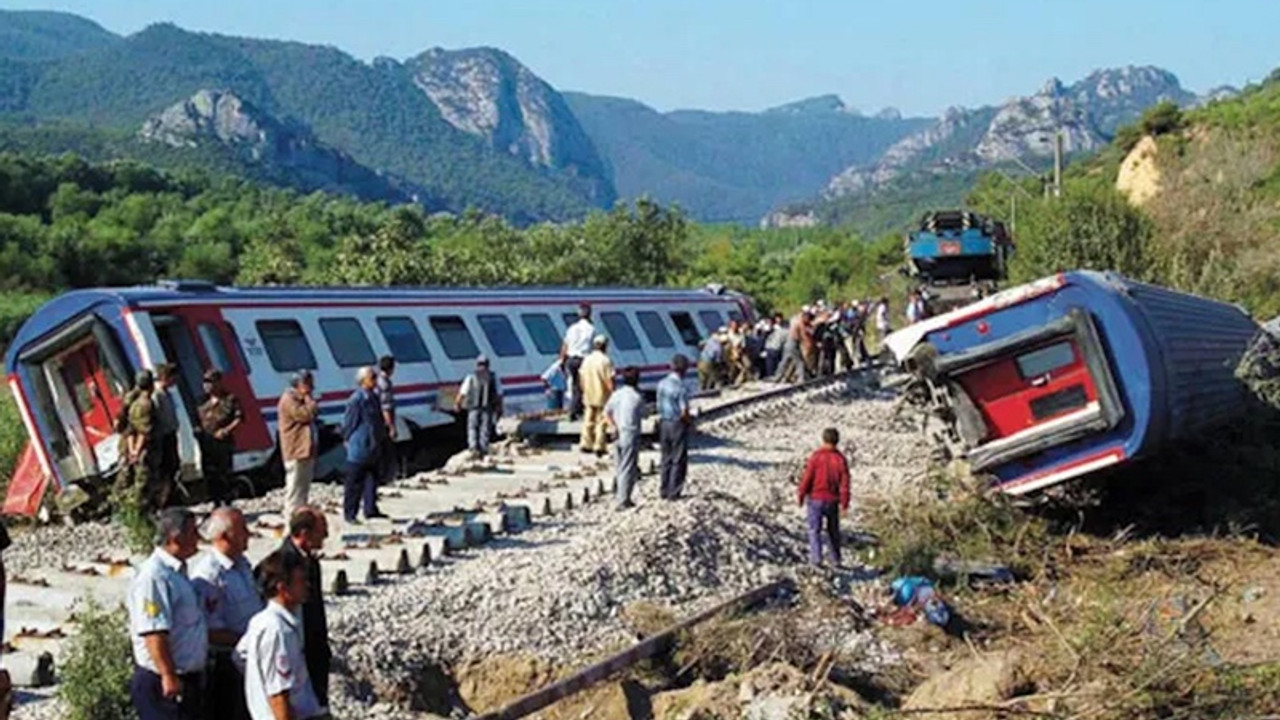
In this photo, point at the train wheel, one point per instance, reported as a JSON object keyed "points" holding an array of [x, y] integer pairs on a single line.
{"points": [[242, 488]]}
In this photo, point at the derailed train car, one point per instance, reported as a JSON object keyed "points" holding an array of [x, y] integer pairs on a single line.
{"points": [[70, 364], [1075, 373]]}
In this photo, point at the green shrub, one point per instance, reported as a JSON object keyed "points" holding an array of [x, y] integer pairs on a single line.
{"points": [[98, 664]]}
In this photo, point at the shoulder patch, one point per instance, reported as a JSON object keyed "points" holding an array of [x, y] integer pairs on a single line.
{"points": [[151, 608]]}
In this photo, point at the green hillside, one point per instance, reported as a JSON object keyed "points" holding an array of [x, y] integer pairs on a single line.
{"points": [[374, 113], [38, 35]]}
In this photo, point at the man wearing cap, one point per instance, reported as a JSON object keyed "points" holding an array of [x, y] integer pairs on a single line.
{"points": [[220, 415], [624, 412], [573, 351], [597, 385], [167, 626], [481, 396], [138, 456], [168, 462], [299, 438]]}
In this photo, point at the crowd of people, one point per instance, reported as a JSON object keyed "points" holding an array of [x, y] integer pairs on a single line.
{"points": [[222, 638], [817, 341]]}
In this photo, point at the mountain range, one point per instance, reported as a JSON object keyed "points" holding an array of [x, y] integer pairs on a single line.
{"points": [[452, 129]]}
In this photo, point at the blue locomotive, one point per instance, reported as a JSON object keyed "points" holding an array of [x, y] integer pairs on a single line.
{"points": [[1074, 373], [957, 256]]}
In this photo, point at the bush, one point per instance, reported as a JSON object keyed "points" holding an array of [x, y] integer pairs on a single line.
{"points": [[1161, 119], [98, 665]]}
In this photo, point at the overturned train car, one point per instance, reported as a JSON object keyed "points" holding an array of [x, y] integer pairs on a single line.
{"points": [[1075, 373]]}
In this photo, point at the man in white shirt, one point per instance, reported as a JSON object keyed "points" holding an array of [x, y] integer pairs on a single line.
{"points": [[576, 347], [276, 683], [224, 581]]}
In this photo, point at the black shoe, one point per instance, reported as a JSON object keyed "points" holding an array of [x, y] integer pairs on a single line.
{"points": [[377, 514], [352, 521]]}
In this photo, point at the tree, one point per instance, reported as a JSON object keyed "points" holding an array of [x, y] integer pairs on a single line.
{"points": [[1092, 227]]}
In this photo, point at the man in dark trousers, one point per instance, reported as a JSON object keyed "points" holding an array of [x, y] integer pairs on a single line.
{"points": [[364, 432], [824, 490], [220, 415], [673, 428], [307, 532], [386, 390]]}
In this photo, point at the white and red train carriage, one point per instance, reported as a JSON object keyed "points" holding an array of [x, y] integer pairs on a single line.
{"points": [[70, 364]]}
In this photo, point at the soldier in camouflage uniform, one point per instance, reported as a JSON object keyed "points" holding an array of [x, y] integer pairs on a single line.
{"points": [[138, 457], [220, 415]]}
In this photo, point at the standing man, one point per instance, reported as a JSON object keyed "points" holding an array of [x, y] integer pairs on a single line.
{"points": [[364, 432], [307, 532], [883, 326], [481, 396], [139, 457], [709, 360], [167, 626], [596, 380], [390, 469], [574, 351], [220, 415], [624, 411], [277, 685], [299, 438], [824, 489], [224, 582], [553, 382], [673, 428], [774, 342], [168, 464]]}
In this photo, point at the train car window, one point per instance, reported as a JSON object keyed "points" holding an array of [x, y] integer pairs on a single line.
{"points": [[655, 329], [347, 342], [543, 332], [286, 345], [214, 347], [569, 319], [235, 340], [735, 316], [454, 337], [688, 331], [624, 336], [1045, 360], [503, 338], [711, 319], [403, 339]]}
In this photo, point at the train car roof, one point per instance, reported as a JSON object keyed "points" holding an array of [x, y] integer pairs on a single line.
{"points": [[56, 313]]}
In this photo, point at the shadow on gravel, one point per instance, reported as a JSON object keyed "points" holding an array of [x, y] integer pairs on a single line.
{"points": [[506, 541], [753, 465]]}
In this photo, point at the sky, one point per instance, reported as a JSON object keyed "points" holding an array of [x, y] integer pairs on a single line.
{"points": [[920, 56]]}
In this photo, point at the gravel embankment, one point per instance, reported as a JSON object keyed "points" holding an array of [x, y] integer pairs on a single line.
{"points": [[558, 590]]}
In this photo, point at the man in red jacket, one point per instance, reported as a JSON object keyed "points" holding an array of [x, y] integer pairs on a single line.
{"points": [[825, 490]]}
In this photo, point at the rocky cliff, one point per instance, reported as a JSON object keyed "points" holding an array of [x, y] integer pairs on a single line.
{"points": [[489, 94], [288, 153], [1022, 129]]}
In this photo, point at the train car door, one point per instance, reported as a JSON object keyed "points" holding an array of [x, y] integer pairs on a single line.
{"points": [[97, 395], [197, 338], [1034, 393]]}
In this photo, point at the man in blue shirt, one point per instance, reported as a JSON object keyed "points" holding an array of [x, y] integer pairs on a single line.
{"points": [[364, 432], [673, 428], [167, 626]]}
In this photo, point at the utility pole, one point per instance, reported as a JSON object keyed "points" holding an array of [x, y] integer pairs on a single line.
{"points": [[1057, 164]]}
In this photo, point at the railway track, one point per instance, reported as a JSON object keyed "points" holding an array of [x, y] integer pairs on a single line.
{"points": [[433, 516]]}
